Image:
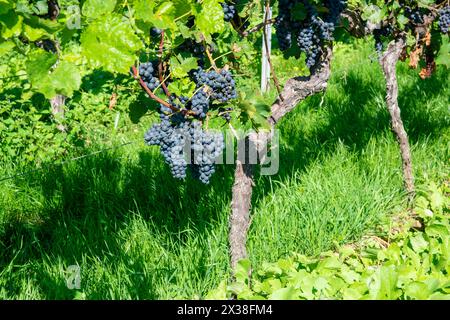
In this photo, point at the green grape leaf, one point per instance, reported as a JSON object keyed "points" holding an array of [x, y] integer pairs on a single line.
{"points": [[164, 16], [182, 87], [418, 243], [110, 44], [288, 293], [179, 66], [402, 20], [5, 6], [425, 3], [182, 7], [11, 24], [96, 8], [373, 13], [443, 57], [39, 64], [210, 18], [144, 10], [33, 34], [63, 79], [6, 47], [40, 7], [184, 30]]}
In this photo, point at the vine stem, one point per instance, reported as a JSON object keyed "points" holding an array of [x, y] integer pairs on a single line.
{"points": [[150, 93], [160, 65], [258, 27], [223, 55], [211, 60], [266, 44]]}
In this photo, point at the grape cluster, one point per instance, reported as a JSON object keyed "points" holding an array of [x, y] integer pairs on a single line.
{"points": [[155, 32], [283, 33], [444, 19], [183, 142], [311, 32], [378, 35], [220, 85], [415, 15], [309, 43], [228, 11], [200, 103], [170, 137], [225, 113], [206, 147], [148, 73]]}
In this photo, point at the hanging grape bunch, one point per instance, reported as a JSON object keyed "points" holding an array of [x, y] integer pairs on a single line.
{"points": [[183, 142], [444, 19], [228, 11], [147, 72], [312, 31]]}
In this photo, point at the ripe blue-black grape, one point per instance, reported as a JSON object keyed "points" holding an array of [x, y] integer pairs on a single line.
{"points": [[378, 35], [179, 137], [147, 71], [228, 11], [312, 31], [221, 85], [444, 19]]}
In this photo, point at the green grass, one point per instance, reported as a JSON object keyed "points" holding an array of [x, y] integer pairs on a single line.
{"points": [[137, 233]]}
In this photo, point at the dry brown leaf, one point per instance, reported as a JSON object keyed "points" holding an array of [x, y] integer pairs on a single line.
{"points": [[428, 71], [414, 57], [236, 48], [112, 101], [427, 39]]}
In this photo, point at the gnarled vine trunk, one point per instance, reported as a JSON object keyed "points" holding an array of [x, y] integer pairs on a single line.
{"points": [[295, 90], [388, 63], [240, 210]]}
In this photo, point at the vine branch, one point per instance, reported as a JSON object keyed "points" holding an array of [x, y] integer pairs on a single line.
{"points": [[160, 65], [258, 27], [150, 93]]}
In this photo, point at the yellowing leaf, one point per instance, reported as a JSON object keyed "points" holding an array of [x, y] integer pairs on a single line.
{"points": [[96, 8]]}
